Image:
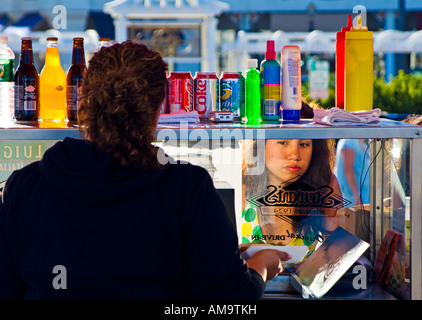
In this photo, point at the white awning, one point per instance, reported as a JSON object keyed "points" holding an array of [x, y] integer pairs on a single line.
{"points": [[164, 9]]}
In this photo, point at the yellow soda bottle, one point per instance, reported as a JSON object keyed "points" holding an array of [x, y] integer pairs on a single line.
{"points": [[52, 89]]}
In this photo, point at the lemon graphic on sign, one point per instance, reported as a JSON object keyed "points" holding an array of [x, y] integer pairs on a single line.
{"points": [[226, 91]]}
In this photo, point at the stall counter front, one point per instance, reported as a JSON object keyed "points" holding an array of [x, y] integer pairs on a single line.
{"points": [[389, 200]]}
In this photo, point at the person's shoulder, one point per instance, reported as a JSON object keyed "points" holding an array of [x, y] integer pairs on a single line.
{"points": [[26, 171], [20, 177]]}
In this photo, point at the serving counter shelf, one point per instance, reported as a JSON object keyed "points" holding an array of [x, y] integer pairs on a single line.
{"points": [[388, 129]]}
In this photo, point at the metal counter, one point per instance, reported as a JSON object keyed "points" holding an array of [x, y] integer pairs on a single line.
{"points": [[19, 135]]}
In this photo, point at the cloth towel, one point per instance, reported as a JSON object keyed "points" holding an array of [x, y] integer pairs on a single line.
{"points": [[340, 117], [179, 116]]}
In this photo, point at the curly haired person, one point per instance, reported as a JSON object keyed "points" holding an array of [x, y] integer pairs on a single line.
{"points": [[101, 218]]}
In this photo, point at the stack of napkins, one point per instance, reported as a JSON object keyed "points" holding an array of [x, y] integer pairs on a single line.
{"points": [[340, 117], [179, 116]]}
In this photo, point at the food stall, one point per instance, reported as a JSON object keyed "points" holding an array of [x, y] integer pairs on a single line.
{"points": [[394, 207]]}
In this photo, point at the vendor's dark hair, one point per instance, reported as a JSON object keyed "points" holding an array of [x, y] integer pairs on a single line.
{"points": [[123, 88]]}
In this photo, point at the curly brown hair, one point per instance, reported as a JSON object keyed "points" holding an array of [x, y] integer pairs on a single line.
{"points": [[124, 87]]}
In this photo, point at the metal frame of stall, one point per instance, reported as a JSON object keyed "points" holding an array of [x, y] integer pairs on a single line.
{"points": [[306, 129]]}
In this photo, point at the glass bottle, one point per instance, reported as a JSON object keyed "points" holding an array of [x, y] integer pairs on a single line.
{"points": [[103, 42], [52, 88], [27, 84], [74, 79]]}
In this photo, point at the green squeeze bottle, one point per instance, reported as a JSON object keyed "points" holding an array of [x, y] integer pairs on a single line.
{"points": [[253, 93]]}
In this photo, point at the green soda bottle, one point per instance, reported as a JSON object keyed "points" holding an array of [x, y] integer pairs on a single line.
{"points": [[253, 93]]}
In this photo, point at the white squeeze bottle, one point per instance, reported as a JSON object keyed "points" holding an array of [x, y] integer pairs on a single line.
{"points": [[292, 86], [7, 94]]}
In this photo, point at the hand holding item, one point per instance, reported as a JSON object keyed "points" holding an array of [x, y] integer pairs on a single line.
{"points": [[268, 262]]}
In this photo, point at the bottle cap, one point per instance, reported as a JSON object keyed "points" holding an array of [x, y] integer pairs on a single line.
{"points": [[349, 24], [359, 26], [252, 63], [341, 34], [359, 32], [291, 115], [270, 53]]}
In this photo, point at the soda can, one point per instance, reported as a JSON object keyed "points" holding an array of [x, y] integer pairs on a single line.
{"points": [[163, 109], [206, 87], [232, 93], [180, 92]]}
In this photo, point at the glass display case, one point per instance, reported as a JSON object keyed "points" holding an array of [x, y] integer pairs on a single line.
{"points": [[374, 193]]}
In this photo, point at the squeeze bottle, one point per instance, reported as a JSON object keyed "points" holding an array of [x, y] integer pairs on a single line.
{"points": [[292, 85], [253, 92], [270, 84], [340, 43], [358, 77]]}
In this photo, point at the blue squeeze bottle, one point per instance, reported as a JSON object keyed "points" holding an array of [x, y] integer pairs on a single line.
{"points": [[270, 84]]}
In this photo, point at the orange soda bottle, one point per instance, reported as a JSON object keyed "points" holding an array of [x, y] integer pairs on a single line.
{"points": [[52, 89]]}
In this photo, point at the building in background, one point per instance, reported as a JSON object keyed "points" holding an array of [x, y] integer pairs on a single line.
{"points": [[212, 35]]}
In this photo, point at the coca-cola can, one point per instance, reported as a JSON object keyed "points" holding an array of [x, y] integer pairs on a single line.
{"points": [[206, 93], [180, 92]]}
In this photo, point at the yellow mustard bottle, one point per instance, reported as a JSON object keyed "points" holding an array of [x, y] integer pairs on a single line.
{"points": [[359, 68]]}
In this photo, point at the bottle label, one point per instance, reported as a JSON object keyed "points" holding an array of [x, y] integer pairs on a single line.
{"points": [[73, 97], [25, 96], [271, 90], [6, 70]]}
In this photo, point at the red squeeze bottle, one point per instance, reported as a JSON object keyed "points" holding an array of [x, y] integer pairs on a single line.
{"points": [[340, 45]]}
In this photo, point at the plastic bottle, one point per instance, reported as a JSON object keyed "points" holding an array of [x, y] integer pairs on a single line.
{"points": [[253, 93], [7, 100], [340, 44], [27, 84], [52, 88], [292, 85], [74, 79], [270, 84], [358, 77]]}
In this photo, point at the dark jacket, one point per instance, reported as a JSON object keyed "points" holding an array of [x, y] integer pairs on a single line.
{"points": [[75, 226]]}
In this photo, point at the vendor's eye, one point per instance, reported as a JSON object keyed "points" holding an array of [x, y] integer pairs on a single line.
{"points": [[305, 143]]}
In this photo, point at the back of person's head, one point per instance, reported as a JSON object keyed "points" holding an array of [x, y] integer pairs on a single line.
{"points": [[123, 89]]}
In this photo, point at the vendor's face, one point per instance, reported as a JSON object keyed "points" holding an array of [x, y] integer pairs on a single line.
{"points": [[287, 160]]}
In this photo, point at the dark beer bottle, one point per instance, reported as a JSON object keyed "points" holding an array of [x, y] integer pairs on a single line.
{"points": [[27, 84], [74, 79]]}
